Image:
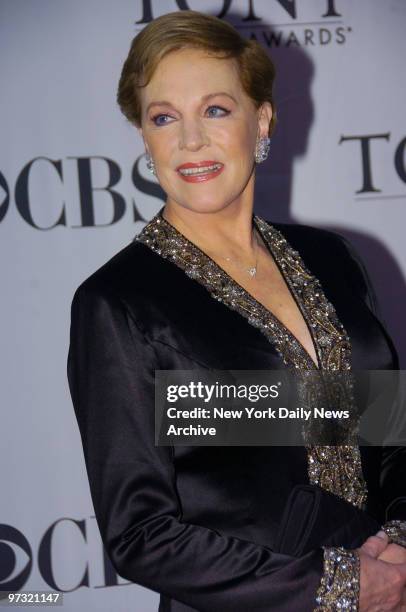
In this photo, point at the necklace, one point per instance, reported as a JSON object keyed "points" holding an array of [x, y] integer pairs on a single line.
{"points": [[251, 270]]}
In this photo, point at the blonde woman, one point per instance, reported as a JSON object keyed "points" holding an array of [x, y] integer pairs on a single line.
{"points": [[207, 283]]}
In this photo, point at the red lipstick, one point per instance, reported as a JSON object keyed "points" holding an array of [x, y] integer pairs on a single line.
{"points": [[213, 169]]}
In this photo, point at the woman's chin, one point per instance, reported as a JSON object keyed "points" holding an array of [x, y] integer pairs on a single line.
{"points": [[214, 206]]}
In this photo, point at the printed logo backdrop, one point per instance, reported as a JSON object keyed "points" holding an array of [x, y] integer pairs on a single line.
{"points": [[74, 189]]}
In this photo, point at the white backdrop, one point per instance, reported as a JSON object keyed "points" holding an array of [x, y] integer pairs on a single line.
{"points": [[337, 161]]}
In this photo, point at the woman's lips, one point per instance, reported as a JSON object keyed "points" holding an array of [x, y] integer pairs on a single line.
{"points": [[200, 176]]}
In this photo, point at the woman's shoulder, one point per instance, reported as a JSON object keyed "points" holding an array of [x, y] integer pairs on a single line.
{"points": [[328, 253], [134, 268], [310, 236], [317, 243]]}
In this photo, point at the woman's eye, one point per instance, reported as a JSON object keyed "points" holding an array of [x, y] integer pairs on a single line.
{"points": [[212, 110], [158, 119]]}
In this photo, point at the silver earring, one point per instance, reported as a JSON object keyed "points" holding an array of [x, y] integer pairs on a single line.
{"points": [[262, 149], [150, 163]]}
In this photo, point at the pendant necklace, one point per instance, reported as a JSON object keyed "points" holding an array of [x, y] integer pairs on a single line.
{"points": [[253, 269]]}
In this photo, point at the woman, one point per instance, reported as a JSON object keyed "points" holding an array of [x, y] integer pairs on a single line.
{"points": [[208, 284]]}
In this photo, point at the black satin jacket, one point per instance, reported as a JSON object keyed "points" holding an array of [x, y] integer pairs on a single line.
{"points": [[198, 524]]}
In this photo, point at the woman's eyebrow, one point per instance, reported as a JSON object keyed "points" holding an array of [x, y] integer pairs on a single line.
{"points": [[204, 99]]}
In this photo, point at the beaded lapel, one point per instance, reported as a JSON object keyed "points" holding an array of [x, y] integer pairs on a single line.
{"points": [[335, 468]]}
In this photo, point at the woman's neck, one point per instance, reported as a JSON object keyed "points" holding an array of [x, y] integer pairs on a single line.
{"points": [[227, 232]]}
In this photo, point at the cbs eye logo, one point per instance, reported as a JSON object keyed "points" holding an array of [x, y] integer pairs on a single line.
{"points": [[77, 559], [16, 556], [15, 559]]}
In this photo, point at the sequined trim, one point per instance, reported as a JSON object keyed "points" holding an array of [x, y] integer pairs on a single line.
{"points": [[396, 530], [335, 468], [339, 586], [331, 341]]}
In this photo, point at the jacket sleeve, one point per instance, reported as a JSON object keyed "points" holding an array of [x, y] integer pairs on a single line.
{"points": [[132, 482], [393, 464]]}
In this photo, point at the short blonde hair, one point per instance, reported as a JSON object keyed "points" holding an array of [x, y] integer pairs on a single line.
{"points": [[193, 29]]}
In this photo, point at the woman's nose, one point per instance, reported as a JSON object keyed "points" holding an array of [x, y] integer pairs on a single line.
{"points": [[193, 136]]}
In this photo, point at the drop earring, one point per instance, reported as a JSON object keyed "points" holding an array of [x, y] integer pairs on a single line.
{"points": [[262, 149], [150, 163]]}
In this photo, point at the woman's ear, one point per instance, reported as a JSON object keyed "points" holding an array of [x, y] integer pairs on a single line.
{"points": [[264, 119], [140, 132]]}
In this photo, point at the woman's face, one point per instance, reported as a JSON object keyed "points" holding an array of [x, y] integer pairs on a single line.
{"points": [[195, 111]]}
